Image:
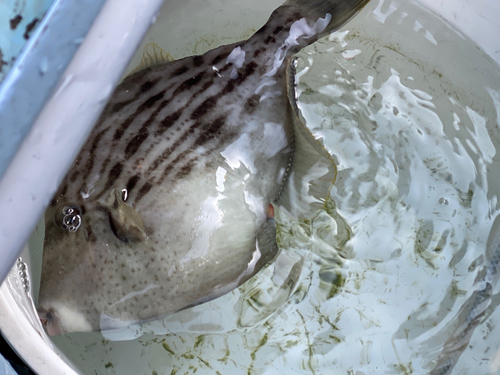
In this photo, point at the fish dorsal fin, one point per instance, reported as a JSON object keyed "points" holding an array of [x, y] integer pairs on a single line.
{"points": [[125, 221], [152, 54], [313, 170]]}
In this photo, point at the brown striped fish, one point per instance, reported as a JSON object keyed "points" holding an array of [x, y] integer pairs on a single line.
{"points": [[169, 203]]}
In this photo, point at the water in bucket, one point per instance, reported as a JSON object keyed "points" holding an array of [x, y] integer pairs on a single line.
{"points": [[376, 281]]}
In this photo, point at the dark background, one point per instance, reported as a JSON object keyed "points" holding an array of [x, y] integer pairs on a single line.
{"points": [[11, 357]]}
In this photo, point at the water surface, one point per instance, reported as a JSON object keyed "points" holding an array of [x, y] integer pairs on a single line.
{"points": [[410, 110]]}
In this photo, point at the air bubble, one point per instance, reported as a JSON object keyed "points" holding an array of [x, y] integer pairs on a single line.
{"points": [[443, 202]]}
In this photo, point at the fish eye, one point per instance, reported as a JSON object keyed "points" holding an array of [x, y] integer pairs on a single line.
{"points": [[69, 218]]}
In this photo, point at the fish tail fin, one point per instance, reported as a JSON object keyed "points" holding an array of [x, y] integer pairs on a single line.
{"points": [[340, 11], [307, 188]]}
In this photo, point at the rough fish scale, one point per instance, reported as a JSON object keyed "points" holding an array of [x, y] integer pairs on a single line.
{"points": [[172, 114], [201, 146]]}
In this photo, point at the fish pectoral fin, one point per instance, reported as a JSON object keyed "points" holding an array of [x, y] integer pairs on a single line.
{"points": [[313, 171], [152, 54], [125, 221]]}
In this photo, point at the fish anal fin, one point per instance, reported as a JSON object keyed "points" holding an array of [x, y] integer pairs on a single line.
{"points": [[152, 54], [313, 171]]}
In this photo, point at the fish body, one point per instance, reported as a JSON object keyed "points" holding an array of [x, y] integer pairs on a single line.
{"points": [[168, 203]]}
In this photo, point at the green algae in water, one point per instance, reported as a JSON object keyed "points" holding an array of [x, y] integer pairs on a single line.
{"points": [[167, 348], [372, 282]]}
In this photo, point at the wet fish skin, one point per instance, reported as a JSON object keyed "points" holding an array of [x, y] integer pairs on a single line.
{"points": [[170, 194]]}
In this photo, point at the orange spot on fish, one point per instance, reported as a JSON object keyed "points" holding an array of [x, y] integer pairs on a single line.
{"points": [[270, 211]]}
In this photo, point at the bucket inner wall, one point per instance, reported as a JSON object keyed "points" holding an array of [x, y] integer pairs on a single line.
{"points": [[324, 322]]}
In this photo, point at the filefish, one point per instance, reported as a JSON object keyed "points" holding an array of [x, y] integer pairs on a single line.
{"points": [[170, 202]]}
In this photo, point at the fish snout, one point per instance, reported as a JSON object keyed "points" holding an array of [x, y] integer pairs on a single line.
{"points": [[50, 319], [63, 318]]}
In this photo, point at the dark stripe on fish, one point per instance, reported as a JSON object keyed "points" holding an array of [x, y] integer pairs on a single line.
{"points": [[144, 88], [207, 134], [135, 143], [188, 84], [105, 164], [251, 104], [120, 105], [217, 60], [149, 85], [211, 102], [113, 175], [91, 157], [203, 108], [64, 189], [278, 29], [143, 191], [257, 52], [143, 132], [195, 130], [188, 167], [171, 148], [198, 61], [183, 69], [132, 182], [147, 104], [168, 121], [269, 39]]}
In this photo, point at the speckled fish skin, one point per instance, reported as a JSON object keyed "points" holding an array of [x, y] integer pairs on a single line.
{"points": [[170, 194]]}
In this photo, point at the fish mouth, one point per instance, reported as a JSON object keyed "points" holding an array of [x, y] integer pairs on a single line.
{"points": [[50, 320], [59, 318]]}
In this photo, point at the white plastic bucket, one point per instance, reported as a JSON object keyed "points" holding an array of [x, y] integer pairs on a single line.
{"points": [[193, 28]]}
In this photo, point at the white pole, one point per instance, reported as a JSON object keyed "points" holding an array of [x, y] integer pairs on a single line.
{"points": [[55, 138]]}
